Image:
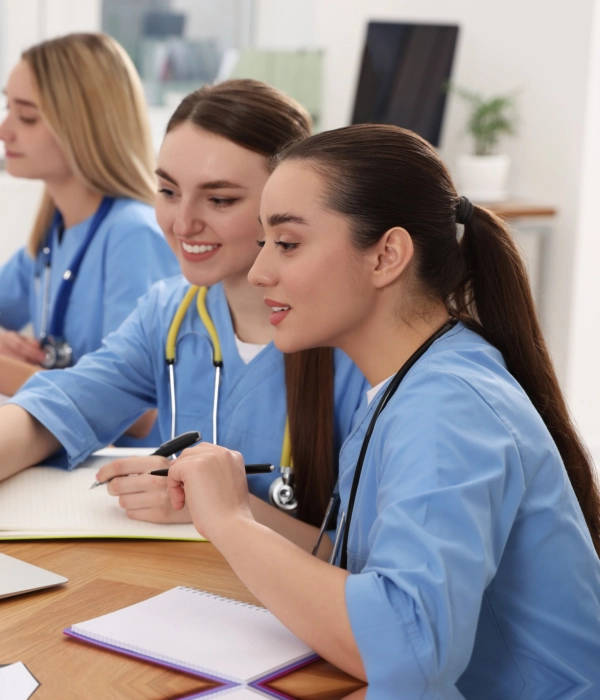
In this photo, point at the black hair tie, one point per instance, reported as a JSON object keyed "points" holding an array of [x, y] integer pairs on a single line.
{"points": [[464, 210]]}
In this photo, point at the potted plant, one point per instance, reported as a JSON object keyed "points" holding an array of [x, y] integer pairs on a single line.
{"points": [[483, 175]]}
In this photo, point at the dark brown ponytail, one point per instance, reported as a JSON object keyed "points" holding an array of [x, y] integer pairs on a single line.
{"points": [[261, 118], [495, 300], [309, 382], [380, 177]]}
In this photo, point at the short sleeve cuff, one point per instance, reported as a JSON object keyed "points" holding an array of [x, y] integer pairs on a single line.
{"points": [[70, 429], [383, 638]]}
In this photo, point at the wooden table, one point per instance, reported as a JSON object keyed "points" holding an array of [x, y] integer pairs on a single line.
{"points": [[105, 575], [516, 209]]}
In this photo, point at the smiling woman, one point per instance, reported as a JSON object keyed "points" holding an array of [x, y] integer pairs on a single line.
{"points": [[223, 376]]}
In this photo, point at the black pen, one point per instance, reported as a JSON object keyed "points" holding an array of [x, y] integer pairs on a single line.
{"points": [[171, 447], [250, 469]]}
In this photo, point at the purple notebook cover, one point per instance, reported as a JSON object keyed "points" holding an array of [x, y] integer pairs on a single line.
{"points": [[259, 684]]}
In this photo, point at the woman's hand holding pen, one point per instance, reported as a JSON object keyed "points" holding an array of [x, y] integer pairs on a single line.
{"points": [[141, 495], [211, 481]]}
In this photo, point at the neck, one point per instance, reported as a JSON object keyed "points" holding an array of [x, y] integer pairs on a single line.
{"points": [[249, 314], [383, 344], [73, 199]]}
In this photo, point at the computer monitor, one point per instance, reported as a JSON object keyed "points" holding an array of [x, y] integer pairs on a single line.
{"points": [[403, 78], [161, 25]]}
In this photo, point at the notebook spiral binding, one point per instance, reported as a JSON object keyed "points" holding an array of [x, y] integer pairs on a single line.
{"points": [[214, 596]]}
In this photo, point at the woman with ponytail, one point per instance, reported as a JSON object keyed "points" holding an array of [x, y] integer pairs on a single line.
{"points": [[469, 518], [212, 167]]}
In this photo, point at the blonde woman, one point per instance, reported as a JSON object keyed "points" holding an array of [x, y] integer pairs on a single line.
{"points": [[76, 120]]}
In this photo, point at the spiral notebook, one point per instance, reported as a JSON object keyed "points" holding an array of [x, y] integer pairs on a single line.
{"points": [[234, 643]]}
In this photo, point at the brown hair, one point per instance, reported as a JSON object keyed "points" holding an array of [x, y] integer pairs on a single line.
{"points": [[380, 177], [106, 136], [262, 119]]}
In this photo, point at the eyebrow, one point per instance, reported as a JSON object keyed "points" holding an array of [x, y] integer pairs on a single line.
{"points": [[212, 185], [23, 103], [278, 219]]}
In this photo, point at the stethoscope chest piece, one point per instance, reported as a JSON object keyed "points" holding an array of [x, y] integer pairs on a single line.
{"points": [[57, 354], [282, 493]]}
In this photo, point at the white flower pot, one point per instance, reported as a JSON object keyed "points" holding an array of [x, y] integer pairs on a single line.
{"points": [[483, 178]]}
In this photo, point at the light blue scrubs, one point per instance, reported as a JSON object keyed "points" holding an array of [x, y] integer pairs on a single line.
{"points": [[88, 405], [127, 254], [470, 559]]}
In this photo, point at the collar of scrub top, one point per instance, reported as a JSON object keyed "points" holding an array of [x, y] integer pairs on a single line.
{"points": [[343, 525], [170, 356], [54, 329]]}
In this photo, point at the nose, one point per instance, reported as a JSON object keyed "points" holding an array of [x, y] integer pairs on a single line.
{"points": [[5, 131], [262, 273], [187, 221]]}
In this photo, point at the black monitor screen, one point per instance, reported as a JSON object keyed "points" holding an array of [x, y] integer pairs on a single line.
{"points": [[405, 69]]}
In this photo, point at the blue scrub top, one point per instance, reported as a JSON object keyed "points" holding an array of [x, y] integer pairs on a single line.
{"points": [[127, 254], [88, 405], [470, 560]]}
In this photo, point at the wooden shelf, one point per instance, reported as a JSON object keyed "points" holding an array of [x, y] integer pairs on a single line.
{"points": [[515, 209]]}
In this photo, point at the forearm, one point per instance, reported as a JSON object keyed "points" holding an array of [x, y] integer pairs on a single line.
{"points": [[306, 594], [13, 374], [143, 425], [300, 533], [23, 440]]}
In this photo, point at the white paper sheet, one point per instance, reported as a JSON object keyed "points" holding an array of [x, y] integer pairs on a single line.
{"points": [[49, 502], [16, 682]]}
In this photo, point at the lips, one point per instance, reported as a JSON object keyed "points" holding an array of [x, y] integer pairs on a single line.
{"points": [[197, 252], [278, 311]]}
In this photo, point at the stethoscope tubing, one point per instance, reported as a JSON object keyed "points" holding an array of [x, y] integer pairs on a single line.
{"points": [[200, 293], [52, 325], [387, 395]]}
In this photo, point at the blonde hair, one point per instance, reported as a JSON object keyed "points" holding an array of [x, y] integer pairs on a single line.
{"points": [[92, 100]]}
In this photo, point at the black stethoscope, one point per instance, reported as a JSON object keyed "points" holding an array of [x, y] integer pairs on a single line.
{"points": [[343, 527], [58, 352]]}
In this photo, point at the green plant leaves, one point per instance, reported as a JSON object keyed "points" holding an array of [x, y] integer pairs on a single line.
{"points": [[489, 119]]}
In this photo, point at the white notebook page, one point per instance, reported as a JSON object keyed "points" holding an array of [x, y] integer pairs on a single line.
{"points": [[44, 500], [239, 692], [202, 632]]}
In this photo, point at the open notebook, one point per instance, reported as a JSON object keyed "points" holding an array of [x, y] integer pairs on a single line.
{"points": [[204, 634], [45, 502]]}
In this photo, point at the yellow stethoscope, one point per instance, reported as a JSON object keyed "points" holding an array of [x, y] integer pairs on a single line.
{"points": [[281, 492]]}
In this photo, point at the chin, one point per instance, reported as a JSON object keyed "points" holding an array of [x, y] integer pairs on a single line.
{"points": [[290, 343], [13, 169], [199, 279]]}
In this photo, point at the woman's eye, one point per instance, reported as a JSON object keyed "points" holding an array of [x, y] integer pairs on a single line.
{"points": [[260, 244], [223, 202], [166, 192], [28, 120], [286, 246]]}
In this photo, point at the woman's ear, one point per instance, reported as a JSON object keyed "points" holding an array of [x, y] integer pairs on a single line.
{"points": [[391, 255]]}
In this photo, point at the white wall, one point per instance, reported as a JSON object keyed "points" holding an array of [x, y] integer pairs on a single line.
{"points": [[531, 46], [584, 367], [23, 23]]}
